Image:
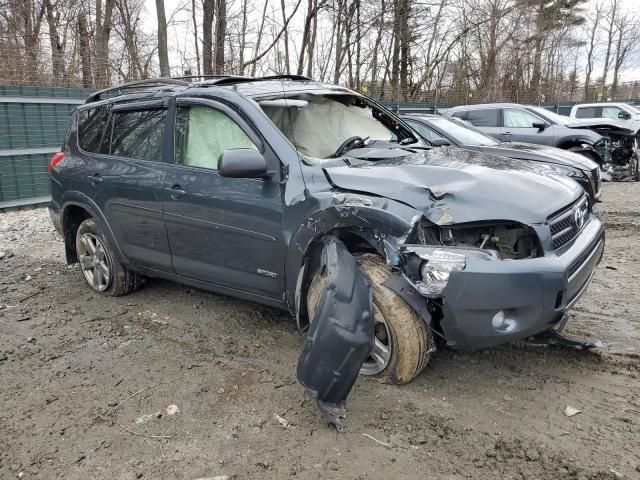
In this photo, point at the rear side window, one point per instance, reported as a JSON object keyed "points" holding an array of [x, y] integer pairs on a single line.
{"points": [[91, 123], [138, 134], [484, 118], [587, 112]]}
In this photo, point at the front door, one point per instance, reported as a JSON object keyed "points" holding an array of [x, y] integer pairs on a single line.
{"points": [[225, 231], [517, 126]]}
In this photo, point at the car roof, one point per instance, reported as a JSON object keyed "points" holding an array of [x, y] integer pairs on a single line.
{"points": [[600, 104], [480, 106], [249, 87]]}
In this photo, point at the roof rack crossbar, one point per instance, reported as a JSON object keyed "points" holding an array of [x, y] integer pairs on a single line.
{"points": [[94, 97]]}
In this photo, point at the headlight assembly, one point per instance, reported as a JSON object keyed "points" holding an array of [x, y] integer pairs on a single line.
{"points": [[439, 262]]}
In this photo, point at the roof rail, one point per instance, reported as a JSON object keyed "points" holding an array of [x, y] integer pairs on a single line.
{"points": [[94, 97], [204, 76], [230, 80]]}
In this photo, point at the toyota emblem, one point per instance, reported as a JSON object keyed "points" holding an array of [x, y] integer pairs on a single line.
{"points": [[579, 217]]}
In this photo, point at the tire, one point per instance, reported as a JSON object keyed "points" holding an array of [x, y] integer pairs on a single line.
{"points": [[402, 330], [101, 270]]}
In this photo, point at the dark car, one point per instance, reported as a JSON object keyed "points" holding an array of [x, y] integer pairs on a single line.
{"points": [[442, 130], [511, 122], [314, 199]]}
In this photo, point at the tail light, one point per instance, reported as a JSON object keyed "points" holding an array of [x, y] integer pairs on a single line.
{"points": [[55, 160]]}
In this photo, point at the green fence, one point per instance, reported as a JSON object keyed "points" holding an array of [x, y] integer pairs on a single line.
{"points": [[33, 121]]}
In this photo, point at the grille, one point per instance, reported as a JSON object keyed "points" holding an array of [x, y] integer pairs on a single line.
{"points": [[597, 182], [565, 227]]}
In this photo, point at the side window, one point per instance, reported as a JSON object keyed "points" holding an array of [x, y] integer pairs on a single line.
{"points": [[516, 118], [138, 134], [587, 112], [91, 123], [484, 118], [461, 114], [203, 134], [423, 130], [611, 112]]}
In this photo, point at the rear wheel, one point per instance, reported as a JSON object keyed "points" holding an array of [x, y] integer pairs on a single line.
{"points": [[402, 339], [102, 271]]}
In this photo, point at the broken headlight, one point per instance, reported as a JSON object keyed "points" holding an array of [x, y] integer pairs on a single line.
{"points": [[438, 263]]}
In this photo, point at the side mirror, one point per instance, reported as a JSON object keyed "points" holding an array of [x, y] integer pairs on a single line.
{"points": [[242, 163], [439, 142], [539, 125], [624, 115]]}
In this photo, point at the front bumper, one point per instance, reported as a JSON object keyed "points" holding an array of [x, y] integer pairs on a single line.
{"points": [[534, 294]]}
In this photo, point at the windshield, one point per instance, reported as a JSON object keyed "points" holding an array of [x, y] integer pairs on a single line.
{"points": [[551, 116], [462, 132], [634, 108], [318, 125]]}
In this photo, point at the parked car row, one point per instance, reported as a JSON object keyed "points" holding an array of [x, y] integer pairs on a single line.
{"points": [[590, 131], [386, 238]]}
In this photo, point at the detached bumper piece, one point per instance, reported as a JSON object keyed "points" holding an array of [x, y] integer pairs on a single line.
{"points": [[341, 334]]}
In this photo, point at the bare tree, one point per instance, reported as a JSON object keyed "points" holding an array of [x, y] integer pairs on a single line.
{"points": [[163, 51]]}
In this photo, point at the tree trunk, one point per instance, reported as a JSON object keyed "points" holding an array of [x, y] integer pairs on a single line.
{"points": [[57, 48], [85, 50], [286, 39], [103, 32], [220, 35], [259, 39], [195, 34], [163, 51], [208, 7]]}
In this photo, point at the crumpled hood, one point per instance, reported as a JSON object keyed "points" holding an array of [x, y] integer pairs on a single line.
{"points": [[453, 185], [543, 153], [605, 124]]}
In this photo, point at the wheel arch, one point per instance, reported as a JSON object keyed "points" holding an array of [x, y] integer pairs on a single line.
{"points": [[75, 208], [361, 229]]}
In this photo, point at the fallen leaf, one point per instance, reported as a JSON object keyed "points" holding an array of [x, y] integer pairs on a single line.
{"points": [[171, 410], [281, 420], [569, 411]]}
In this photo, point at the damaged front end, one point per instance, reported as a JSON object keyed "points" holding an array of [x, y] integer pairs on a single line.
{"points": [[618, 151]]}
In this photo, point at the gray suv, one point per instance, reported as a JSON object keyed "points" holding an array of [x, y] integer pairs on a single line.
{"points": [[511, 122], [315, 199]]}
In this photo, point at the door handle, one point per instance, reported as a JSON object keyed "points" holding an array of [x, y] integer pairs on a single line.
{"points": [[506, 133], [175, 192], [95, 179]]}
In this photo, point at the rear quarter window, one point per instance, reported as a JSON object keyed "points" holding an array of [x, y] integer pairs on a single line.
{"points": [[92, 122], [587, 112], [484, 118]]}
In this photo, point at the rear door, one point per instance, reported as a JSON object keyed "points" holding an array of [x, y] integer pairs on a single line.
{"points": [[487, 120], [226, 231], [128, 179], [517, 126]]}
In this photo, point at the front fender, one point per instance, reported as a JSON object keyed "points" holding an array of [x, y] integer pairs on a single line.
{"points": [[334, 211], [79, 199]]}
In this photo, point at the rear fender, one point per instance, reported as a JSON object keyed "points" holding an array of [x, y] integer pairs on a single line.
{"points": [[74, 198]]}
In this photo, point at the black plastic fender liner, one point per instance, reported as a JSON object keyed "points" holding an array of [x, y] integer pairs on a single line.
{"points": [[341, 334]]}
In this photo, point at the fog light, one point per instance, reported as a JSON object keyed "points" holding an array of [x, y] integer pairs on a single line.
{"points": [[498, 320], [502, 323]]}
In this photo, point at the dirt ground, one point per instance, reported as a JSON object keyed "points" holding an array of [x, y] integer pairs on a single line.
{"points": [[85, 380]]}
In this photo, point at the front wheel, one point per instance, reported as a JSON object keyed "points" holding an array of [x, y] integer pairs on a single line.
{"points": [[402, 339], [102, 271]]}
